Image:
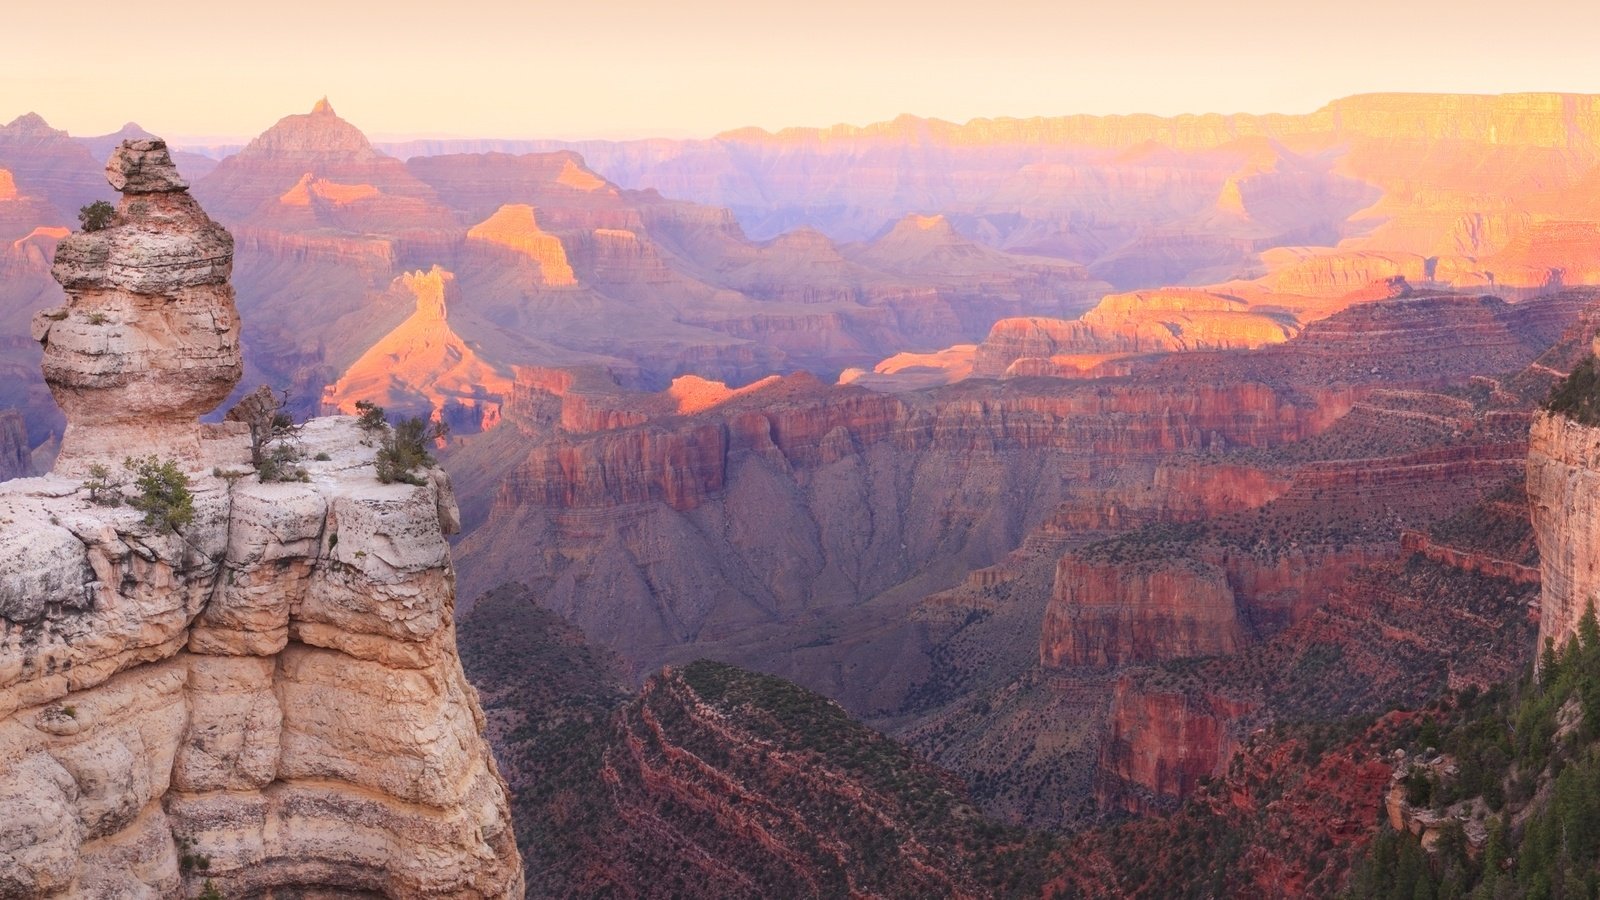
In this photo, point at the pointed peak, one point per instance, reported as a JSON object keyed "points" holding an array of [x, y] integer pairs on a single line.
{"points": [[30, 123], [317, 134]]}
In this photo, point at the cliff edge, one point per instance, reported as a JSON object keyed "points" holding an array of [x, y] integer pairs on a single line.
{"points": [[264, 701]]}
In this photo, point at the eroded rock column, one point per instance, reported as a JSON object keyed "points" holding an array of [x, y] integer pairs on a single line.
{"points": [[148, 340]]}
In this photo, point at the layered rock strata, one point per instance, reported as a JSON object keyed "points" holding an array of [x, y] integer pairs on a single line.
{"points": [[1564, 492], [149, 336], [265, 700]]}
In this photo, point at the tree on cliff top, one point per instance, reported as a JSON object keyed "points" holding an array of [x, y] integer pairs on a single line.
{"points": [[273, 434], [405, 448], [1578, 395], [96, 216], [164, 495]]}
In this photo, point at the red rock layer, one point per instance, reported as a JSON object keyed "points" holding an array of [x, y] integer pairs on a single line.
{"points": [[1468, 560], [1164, 744], [1107, 615]]}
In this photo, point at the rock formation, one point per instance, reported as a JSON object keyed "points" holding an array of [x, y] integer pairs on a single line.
{"points": [[1564, 490], [1107, 615], [1122, 324], [14, 461], [149, 337], [265, 699], [422, 368]]}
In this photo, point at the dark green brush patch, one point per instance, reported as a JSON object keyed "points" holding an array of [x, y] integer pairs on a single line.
{"points": [[1578, 396], [1533, 757]]}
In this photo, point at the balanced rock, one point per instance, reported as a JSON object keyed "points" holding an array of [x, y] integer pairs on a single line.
{"points": [[148, 340], [263, 700]]}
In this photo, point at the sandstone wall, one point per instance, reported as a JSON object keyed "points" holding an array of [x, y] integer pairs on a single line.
{"points": [[264, 699], [1564, 490], [269, 699]]}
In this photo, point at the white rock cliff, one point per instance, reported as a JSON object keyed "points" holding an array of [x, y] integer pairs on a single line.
{"points": [[266, 701]]}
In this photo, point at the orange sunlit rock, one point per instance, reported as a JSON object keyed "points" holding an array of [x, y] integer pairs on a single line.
{"points": [[423, 367], [578, 178], [310, 186], [515, 227]]}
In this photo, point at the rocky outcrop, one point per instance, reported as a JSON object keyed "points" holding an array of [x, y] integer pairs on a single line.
{"points": [[1164, 321], [1162, 745], [316, 170], [269, 699], [149, 337], [514, 228], [263, 697], [1564, 491], [1115, 614], [422, 367], [14, 456]]}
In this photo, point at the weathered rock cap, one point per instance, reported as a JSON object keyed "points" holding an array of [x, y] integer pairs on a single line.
{"points": [[143, 167], [160, 242]]}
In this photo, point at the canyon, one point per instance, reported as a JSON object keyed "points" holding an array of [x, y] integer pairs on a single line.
{"points": [[1015, 628], [1104, 481], [1193, 199], [736, 257]]}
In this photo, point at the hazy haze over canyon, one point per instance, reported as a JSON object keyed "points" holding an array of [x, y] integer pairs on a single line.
{"points": [[1038, 486]]}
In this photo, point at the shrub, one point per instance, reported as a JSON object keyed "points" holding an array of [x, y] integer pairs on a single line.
{"points": [[102, 490], [371, 416], [274, 436], [405, 449], [164, 495], [1578, 395], [96, 216]]}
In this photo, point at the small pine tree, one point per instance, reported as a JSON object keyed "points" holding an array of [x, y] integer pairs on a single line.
{"points": [[164, 495], [405, 449], [371, 415], [102, 490], [96, 216]]}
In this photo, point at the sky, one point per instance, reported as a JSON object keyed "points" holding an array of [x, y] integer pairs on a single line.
{"points": [[691, 68]]}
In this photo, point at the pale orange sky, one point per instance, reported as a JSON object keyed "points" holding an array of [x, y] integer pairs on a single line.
{"points": [[629, 68]]}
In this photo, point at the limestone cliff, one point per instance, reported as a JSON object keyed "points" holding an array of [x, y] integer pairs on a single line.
{"points": [[266, 699], [1564, 492]]}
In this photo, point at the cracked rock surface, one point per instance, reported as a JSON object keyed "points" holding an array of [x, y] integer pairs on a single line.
{"points": [[274, 690], [267, 700], [149, 337]]}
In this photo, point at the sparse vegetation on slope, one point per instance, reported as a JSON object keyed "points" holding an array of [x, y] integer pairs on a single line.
{"points": [[1523, 766], [1578, 395], [717, 782]]}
